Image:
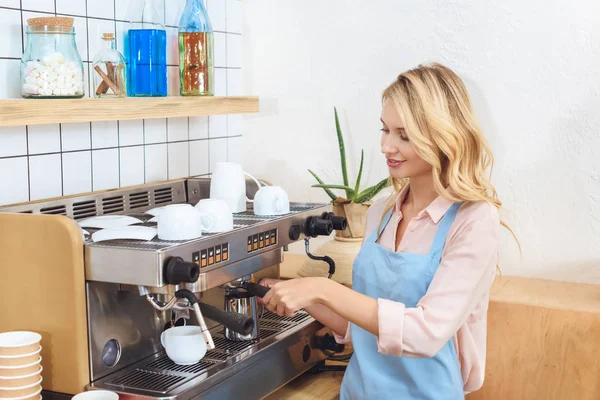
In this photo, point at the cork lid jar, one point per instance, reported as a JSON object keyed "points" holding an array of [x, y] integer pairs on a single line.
{"points": [[51, 66]]}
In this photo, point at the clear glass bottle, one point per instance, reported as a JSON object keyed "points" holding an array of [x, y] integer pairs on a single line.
{"points": [[51, 66], [146, 50], [196, 72], [109, 70]]}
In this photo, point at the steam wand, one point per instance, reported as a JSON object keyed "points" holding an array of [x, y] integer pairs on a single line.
{"points": [[327, 259]]}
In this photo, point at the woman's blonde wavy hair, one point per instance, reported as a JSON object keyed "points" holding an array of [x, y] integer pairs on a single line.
{"points": [[435, 108]]}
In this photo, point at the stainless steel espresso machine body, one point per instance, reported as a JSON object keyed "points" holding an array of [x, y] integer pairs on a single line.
{"points": [[131, 300]]}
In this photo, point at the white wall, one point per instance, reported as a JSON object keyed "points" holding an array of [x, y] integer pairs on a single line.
{"points": [[532, 68]]}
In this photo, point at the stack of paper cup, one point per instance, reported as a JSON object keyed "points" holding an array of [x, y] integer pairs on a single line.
{"points": [[20, 366]]}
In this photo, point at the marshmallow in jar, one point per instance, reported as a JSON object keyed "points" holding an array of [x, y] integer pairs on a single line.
{"points": [[51, 65]]}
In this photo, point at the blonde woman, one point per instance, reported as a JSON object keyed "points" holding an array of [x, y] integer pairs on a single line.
{"points": [[416, 313]]}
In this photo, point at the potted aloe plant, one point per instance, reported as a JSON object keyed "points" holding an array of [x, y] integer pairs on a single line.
{"points": [[355, 202]]}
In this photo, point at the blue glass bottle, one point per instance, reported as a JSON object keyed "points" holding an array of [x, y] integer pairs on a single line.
{"points": [[196, 48], [146, 50]]}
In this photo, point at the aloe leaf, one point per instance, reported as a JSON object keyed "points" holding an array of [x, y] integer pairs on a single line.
{"points": [[342, 149], [371, 192], [360, 171], [340, 187], [329, 192]]}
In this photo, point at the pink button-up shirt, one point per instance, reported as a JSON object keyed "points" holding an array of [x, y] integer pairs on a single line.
{"points": [[455, 305]]}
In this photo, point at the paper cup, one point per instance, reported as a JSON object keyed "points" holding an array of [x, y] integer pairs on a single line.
{"points": [[23, 391], [19, 343], [36, 396], [21, 370], [21, 360], [96, 395], [20, 381]]}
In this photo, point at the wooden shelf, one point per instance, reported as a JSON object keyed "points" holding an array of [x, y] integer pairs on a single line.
{"points": [[16, 112]]}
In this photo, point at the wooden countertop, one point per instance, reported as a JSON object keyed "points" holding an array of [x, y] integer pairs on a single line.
{"points": [[309, 386]]}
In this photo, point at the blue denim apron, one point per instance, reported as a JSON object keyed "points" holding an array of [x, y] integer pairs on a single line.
{"points": [[405, 278]]}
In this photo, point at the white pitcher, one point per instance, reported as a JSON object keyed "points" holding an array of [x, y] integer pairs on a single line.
{"points": [[228, 183]]}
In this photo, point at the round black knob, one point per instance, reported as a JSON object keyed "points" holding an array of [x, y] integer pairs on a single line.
{"points": [[318, 227], [295, 231], [178, 271], [339, 223]]}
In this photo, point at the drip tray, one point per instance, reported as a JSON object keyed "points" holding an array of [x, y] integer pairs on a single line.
{"points": [[160, 375]]}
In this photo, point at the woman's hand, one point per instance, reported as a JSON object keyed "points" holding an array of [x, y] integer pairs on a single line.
{"points": [[287, 297]]}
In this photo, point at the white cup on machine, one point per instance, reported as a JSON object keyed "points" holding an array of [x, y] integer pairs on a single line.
{"points": [[220, 213], [182, 222], [271, 200], [185, 345], [96, 395], [228, 183]]}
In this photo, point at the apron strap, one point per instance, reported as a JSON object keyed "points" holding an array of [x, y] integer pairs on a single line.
{"points": [[385, 222], [440, 236]]}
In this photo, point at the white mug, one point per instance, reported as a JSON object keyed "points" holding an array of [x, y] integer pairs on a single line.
{"points": [[182, 222], [228, 183], [220, 213], [271, 200], [96, 395], [185, 345]]}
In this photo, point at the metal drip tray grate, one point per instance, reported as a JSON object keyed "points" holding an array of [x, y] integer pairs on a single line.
{"points": [[165, 364], [159, 375], [298, 318], [148, 381]]}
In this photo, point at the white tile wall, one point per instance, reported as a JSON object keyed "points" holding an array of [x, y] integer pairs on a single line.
{"points": [[75, 136], [105, 134], [71, 7], [217, 152], [199, 157], [45, 176], [40, 161], [14, 180], [105, 169], [77, 172], [156, 160], [132, 165], [179, 164], [13, 141]]}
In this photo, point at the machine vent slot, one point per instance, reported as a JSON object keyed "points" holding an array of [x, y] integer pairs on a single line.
{"points": [[113, 204], [84, 209], [26, 212], [147, 380], [139, 200], [57, 210], [164, 195]]}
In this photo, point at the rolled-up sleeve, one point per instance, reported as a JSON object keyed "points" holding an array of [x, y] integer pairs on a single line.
{"points": [[463, 278], [347, 338]]}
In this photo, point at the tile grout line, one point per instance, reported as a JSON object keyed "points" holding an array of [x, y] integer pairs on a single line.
{"points": [[80, 150]]}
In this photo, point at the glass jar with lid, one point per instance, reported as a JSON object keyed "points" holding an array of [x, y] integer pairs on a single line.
{"points": [[109, 70], [51, 66]]}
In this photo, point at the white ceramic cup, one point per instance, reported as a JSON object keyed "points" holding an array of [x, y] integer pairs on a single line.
{"points": [[96, 395], [271, 200], [185, 345], [220, 213], [228, 183], [182, 222]]}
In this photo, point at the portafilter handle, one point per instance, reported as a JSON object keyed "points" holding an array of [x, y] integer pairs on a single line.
{"points": [[236, 322], [191, 297]]}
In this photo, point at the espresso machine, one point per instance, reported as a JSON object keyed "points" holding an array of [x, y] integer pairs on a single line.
{"points": [[107, 303]]}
